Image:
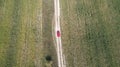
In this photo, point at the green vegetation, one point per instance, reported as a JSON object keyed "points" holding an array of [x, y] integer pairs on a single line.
{"points": [[90, 32], [47, 22], [21, 33], [26, 33]]}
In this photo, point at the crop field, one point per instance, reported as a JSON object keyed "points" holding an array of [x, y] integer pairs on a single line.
{"points": [[91, 32], [47, 36], [21, 33]]}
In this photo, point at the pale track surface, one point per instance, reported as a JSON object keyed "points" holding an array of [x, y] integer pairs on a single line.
{"points": [[59, 49]]}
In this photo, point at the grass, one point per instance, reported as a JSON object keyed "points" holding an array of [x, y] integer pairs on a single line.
{"points": [[90, 32], [26, 33], [20, 35], [47, 20]]}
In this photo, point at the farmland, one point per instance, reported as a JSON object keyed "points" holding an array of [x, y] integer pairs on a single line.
{"points": [[20, 35], [47, 23], [90, 32]]}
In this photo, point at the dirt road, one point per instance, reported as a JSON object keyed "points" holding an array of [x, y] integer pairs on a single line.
{"points": [[60, 54]]}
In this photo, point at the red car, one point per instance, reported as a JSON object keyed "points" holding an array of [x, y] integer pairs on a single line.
{"points": [[58, 33]]}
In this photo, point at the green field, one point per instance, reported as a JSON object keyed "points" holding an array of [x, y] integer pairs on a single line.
{"points": [[47, 22], [91, 32], [20, 33], [26, 33]]}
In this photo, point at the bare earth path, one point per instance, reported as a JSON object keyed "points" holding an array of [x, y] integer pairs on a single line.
{"points": [[58, 35]]}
